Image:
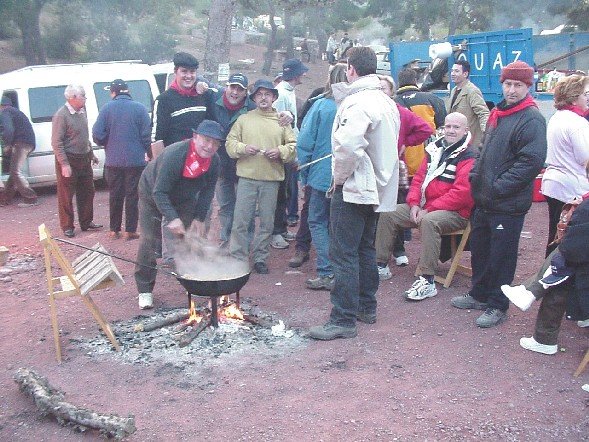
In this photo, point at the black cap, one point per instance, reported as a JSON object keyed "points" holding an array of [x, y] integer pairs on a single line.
{"points": [[119, 86], [210, 128], [263, 84], [293, 68], [239, 79], [185, 60]]}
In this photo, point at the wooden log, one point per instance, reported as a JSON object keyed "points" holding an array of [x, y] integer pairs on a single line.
{"points": [[191, 335], [50, 402], [159, 323], [257, 321]]}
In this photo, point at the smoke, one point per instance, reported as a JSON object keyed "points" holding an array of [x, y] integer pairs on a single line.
{"points": [[199, 260]]}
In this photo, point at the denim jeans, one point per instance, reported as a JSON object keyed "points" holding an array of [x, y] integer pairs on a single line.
{"points": [[226, 194], [351, 250], [494, 241], [319, 226]]}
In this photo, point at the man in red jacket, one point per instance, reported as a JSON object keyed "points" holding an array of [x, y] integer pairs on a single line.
{"points": [[439, 202]]}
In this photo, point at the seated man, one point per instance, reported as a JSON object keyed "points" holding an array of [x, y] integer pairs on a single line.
{"points": [[438, 202]]}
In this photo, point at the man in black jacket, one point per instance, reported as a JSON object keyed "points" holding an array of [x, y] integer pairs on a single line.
{"points": [[18, 141], [513, 152]]}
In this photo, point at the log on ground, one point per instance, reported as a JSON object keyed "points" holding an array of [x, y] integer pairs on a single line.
{"points": [[163, 322], [50, 402]]}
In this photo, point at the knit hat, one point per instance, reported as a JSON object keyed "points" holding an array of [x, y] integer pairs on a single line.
{"points": [[185, 60], [518, 70], [211, 129]]}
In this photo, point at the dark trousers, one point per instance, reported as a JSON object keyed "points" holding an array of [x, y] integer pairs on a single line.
{"points": [[80, 184], [280, 211], [292, 193], [554, 208], [303, 238], [494, 241], [150, 243], [552, 306], [352, 231], [122, 185]]}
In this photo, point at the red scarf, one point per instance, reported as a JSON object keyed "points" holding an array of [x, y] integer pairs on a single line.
{"points": [[497, 113], [229, 106], [184, 92], [195, 165], [576, 109]]}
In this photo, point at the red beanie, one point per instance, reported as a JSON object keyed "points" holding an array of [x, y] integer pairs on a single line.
{"points": [[518, 70]]}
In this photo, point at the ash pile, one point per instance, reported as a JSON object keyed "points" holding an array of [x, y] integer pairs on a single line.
{"points": [[258, 334]]}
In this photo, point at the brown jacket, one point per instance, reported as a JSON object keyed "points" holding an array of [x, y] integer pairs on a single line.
{"points": [[471, 104]]}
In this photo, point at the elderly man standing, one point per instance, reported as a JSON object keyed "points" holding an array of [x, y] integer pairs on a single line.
{"points": [[73, 162], [124, 129], [18, 139], [226, 106], [179, 185], [502, 180], [467, 99], [439, 202], [365, 181]]}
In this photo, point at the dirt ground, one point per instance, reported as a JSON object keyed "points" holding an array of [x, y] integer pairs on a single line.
{"points": [[424, 371]]}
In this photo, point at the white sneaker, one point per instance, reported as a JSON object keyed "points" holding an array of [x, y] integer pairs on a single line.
{"points": [[584, 323], [519, 295], [278, 242], [145, 301], [402, 261], [384, 273], [533, 345], [421, 289]]}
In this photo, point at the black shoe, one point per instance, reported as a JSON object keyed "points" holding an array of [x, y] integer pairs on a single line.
{"points": [[366, 318], [92, 226], [261, 268], [298, 260], [69, 233]]}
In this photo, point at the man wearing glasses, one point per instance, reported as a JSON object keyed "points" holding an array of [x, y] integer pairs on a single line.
{"points": [[73, 162]]}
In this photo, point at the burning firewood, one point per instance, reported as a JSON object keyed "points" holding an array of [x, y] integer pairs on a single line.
{"points": [[50, 402], [191, 335], [163, 322]]}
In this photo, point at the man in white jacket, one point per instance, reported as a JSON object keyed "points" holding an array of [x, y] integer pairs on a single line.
{"points": [[365, 181]]}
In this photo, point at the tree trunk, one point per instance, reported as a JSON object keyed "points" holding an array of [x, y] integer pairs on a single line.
{"points": [[269, 55], [288, 34], [218, 36], [27, 19]]}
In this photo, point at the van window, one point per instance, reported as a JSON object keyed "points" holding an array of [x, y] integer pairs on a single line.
{"points": [[45, 101], [140, 91]]}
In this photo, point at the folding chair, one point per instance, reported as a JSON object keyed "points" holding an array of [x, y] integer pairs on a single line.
{"points": [[90, 271], [582, 365], [456, 256]]}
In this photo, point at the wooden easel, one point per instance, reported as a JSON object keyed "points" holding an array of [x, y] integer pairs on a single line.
{"points": [[90, 271]]}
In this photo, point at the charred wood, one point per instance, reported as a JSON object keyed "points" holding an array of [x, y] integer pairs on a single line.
{"points": [[50, 401], [159, 323], [191, 335], [257, 321]]}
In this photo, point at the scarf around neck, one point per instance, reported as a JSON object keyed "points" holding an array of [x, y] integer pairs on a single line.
{"points": [[576, 109], [497, 113], [195, 165], [232, 107], [184, 92]]}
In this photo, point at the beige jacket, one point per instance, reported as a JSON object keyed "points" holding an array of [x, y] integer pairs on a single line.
{"points": [[364, 144], [470, 103]]}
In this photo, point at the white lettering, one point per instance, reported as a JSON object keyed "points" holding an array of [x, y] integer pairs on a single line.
{"points": [[517, 54], [462, 56], [498, 62], [479, 66]]}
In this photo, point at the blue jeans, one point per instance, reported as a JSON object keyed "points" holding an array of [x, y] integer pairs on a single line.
{"points": [[351, 249], [494, 241], [319, 225], [226, 195]]}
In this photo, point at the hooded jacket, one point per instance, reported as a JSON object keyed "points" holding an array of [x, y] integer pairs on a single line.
{"points": [[364, 143]]}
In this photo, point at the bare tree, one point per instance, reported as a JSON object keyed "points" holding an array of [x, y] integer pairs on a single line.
{"points": [[218, 34]]}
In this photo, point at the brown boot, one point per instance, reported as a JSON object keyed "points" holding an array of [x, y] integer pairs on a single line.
{"points": [[298, 260]]}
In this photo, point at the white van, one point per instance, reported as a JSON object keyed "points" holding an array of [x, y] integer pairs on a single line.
{"points": [[38, 92], [164, 75]]}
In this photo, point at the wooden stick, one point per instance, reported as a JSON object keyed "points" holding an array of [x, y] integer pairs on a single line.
{"points": [[257, 321], [191, 335], [50, 402], [159, 323]]}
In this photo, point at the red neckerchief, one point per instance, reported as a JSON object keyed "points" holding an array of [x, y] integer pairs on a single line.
{"points": [[576, 109], [497, 113], [229, 106], [195, 165], [586, 196], [184, 92]]}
